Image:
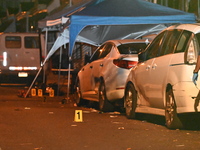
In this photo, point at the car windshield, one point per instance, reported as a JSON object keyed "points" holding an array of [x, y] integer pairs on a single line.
{"points": [[131, 48]]}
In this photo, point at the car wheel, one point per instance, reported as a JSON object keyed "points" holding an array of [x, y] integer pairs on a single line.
{"points": [[130, 99], [104, 104], [78, 97], [172, 120]]}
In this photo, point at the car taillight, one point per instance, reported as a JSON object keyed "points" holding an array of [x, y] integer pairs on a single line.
{"points": [[1, 58], [4, 58], [191, 54], [124, 63]]}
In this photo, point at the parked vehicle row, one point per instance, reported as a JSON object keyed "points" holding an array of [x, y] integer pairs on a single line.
{"points": [[159, 81]]}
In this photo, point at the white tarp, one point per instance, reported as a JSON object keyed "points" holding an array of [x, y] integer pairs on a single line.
{"points": [[63, 39]]}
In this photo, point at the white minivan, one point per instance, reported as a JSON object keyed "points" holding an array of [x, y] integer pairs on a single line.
{"points": [[161, 83], [20, 56]]}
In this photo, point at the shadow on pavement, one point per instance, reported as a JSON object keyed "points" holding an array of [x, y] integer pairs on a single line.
{"points": [[191, 121]]}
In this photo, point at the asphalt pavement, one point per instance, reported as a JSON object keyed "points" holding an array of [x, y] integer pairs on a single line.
{"points": [[46, 123], [51, 125]]}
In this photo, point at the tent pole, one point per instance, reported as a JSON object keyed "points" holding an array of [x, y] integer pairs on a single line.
{"points": [[68, 85], [60, 60], [147, 31], [45, 54]]}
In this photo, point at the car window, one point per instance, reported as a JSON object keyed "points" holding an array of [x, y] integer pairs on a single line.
{"points": [[13, 42], [131, 48], [183, 41], [31, 42], [97, 53], [170, 42], [154, 47], [198, 38], [106, 49], [197, 44]]}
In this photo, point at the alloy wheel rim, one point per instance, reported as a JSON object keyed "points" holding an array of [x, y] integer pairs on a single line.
{"points": [[169, 109], [129, 102]]}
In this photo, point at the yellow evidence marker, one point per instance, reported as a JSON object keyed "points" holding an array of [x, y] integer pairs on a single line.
{"points": [[51, 92], [78, 116], [40, 92], [33, 92]]}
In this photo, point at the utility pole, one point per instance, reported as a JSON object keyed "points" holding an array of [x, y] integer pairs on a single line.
{"points": [[70, 3], [27, 21]]}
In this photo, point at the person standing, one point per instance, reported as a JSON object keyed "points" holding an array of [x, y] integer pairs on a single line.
{"points": [[196, 70], [194, 79]]}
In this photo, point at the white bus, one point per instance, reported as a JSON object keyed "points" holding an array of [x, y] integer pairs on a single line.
{"points": [[20, 56]]}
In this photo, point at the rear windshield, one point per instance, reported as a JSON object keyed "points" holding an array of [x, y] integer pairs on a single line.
{"points": [[13, 42], [132, 48], [31, 42]]}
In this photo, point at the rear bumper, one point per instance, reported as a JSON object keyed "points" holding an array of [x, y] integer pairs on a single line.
{"points": [[18, 73]]}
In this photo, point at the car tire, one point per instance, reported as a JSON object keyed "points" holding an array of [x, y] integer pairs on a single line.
{"points": [[104, 104], [130, 101], [171, 117], [78, 97]]}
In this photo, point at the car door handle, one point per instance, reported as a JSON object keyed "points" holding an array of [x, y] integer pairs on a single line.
{"points": [[91, 67], [154, 66], [101, 65], [147, 67]]}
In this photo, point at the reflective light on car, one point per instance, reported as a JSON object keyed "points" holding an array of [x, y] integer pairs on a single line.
{"points": [[4, 59], [22, 68], [124, 63]]}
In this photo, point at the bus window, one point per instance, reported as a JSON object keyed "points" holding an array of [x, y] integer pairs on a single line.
{"points": [[31, 42], [13, 42]]}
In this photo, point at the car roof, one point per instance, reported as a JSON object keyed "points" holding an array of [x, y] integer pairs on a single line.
{"points": [[195, 28], [122, 41]]}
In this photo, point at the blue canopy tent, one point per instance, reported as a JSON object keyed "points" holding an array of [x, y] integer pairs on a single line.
{"points": [[123, 12], [101, 20], [112, 13]]}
